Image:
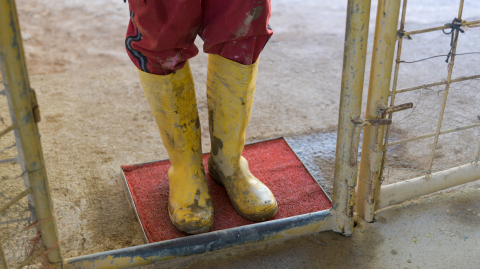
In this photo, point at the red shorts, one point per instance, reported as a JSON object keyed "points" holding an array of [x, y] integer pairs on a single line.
{"points": [[161, 33]]}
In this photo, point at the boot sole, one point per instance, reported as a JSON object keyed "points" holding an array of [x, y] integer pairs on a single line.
{"points": [[190, 230], [261, 217]]}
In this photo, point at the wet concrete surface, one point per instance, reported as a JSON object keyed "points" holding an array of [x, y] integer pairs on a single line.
{"points": [[317, 153], [436, 232]]}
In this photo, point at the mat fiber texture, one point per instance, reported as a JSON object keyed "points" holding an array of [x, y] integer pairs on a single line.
{"points": [[273, 162]]}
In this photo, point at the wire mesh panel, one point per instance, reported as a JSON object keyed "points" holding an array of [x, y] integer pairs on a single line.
{"points": [[16, 241], [422, 119], [442, 130], [19, 238], [27, 222]]}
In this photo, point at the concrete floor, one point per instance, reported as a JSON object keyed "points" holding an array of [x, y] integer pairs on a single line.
{"points": [[96, 119], [435, 232]]}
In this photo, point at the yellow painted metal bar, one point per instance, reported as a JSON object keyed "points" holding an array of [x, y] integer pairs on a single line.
{"points": [[2, 258], [19, 95], [471, 24], [438, 83], [8, 129], [433, 134], [460, 9], [477, 156], [34, 255], [378, 93], [11, 160], [405, 190], [15, 199], [354, 59], [394, 85], [445, 93]]}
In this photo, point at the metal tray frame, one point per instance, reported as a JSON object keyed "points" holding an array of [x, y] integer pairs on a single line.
{"points": [[129, 196]]}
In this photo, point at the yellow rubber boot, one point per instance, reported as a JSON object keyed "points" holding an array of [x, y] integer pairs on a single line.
{"points": [[174, 107], [230, 91]]}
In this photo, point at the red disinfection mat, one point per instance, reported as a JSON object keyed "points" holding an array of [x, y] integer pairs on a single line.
{"points": [[272, 161]]}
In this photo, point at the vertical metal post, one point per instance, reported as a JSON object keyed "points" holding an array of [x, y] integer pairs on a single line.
{"points": [[445, 94], [2, 258], [394, 86], [356, 38], [378, 92], [20, 98]]}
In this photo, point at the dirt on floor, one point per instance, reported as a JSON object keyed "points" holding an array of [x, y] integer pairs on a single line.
{"points": [[436, 232], [95, 118]]}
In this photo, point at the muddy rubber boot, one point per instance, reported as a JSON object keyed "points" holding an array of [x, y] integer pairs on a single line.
{"points": [[230, 91], [174, 107]]}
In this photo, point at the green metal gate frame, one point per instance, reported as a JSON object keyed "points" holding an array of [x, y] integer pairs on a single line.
{"points": [[339, 218]]}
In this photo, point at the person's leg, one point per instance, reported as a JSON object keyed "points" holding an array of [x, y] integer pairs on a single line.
{"points": [[242, 27], [237, 29], [161, 33], [165, 31]]}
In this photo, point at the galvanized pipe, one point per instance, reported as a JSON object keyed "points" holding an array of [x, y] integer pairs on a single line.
{"points": [[356, 38], [202, 243], [19, 96], [405, 190], [378, 93]]}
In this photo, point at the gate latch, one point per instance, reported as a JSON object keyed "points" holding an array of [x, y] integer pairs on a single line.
{"points": [[388, 110]]}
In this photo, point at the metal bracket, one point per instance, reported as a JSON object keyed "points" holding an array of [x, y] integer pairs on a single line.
{"points": [[359, 124], [35, 108], [378, 146]]}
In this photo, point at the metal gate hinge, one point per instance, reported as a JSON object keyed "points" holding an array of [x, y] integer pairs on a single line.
{"points": [[34, 104]]}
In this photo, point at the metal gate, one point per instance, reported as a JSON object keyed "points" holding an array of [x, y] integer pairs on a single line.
{"points": [[434, 142], [28, 233], [31, 227], [381, 141]]}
